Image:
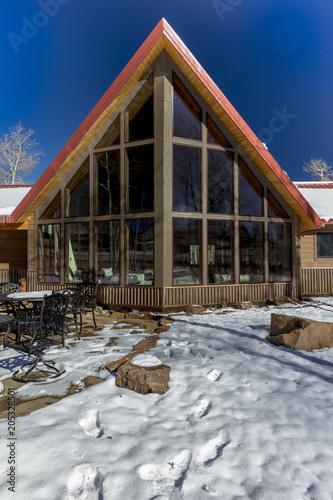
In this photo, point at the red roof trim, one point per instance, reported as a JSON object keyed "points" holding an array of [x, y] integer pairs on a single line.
{"points": [[9, 186], [314, 185], [164, 28]]}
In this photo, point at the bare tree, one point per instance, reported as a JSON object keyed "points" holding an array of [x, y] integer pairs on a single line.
{"points": [[18, 154], [319, 170]]}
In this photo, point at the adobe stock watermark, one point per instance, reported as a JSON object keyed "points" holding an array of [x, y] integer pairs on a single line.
{"points": [[277, 124], [227, 6], [40, 19]]}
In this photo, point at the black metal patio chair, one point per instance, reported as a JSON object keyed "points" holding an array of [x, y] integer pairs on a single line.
{"points": [[88, 292], [36, 337], [74, 311], [5, 289]]}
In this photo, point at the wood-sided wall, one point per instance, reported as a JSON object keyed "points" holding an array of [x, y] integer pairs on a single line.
{"points": [[13, 248]]}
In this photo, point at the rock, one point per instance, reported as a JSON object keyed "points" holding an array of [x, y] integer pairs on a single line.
{"points": [[281, 323], [133, 315], [116, 314], [114, 365], [146, 344], [143, 380], [300, 333], [161, 329], [195, 309], [279, 301], [165, 322], [243, 305]]}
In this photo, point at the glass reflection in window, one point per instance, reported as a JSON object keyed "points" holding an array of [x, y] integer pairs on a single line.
{"points": [[112, 136], [274, 207], [140, 179], [139, 115], [140, 251], [77, 251], [250, 192], [220, 182], [279, 256], [325, 245], [107, 252], [187, 252], [53, 211], [49, 253], [251, 252], [220, 251], [186, 113], [77, 192], [214, 135], [107, 182], [186, 179]]}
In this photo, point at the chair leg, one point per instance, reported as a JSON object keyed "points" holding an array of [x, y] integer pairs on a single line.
{"points": [[39, 359], [93, 313]]}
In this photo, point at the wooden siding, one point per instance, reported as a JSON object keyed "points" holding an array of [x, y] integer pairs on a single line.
{"points": [[317, 281], [13, 248], [177, 297], [308, 242]]}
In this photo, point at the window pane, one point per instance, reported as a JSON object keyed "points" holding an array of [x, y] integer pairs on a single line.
{"points": [[251, 252], [279, 257], [325, 245], [49, 253], [139, 115], [140, 179], [250, 192], [140, 252], [112, 136], [107, 183], [77, 252], [220, 182], [214, 135], [53, 210], [186, 113], [186, 179], [187, 252], [107, 251], [220, 251], [77, 193], [274, 207]]}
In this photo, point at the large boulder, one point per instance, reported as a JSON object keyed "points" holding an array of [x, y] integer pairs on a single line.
{"points": [[148, 375], [300, 333]]}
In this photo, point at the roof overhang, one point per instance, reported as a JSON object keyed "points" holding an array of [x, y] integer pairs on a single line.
{"points": [[163, 37]]}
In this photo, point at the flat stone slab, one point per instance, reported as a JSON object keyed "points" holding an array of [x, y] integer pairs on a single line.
{"points": [[143, 380], [300, 333]]}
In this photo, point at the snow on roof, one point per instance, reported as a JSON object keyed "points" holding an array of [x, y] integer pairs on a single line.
{"points": [[10, 197], [320, 196]]}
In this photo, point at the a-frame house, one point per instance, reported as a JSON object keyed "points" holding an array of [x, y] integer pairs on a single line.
{"points": [[165, 195]]}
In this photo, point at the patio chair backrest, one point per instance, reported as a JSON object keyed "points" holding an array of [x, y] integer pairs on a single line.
{"points": [[6, 288], [53, 314]]}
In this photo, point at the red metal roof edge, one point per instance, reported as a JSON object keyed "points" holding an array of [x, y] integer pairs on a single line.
{"points": [[9, 186], [314, 185], [164, 28]]}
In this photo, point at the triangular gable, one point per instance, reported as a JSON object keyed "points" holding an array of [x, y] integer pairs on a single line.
{"points": [[163, 37]]}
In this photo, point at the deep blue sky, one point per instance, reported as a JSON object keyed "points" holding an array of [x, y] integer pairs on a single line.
{"points": [[267, 56]]}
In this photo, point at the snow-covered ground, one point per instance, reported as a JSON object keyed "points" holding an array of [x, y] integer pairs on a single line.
{"points": [[242, 419]]}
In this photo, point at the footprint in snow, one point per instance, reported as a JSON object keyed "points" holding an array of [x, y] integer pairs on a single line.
{"points": [[201, 409], [85, 483], [214, 375], [168, 475], [91, 425], [213, 449]]}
